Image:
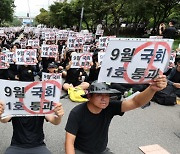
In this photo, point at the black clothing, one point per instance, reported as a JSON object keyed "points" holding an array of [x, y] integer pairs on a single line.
{"points": [[4, 74], [91, 130], [93, 73], [73, 75], [176, 77], [26, 73], [28, 131], [12, 71], [169, 32], [45, 63]]}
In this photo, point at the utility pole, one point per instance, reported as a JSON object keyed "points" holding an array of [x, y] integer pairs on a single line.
{"points": [[82, 12], [29, 13]]}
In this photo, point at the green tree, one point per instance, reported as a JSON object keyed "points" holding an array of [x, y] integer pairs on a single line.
{"points": [[43, 17], [6, 10]]}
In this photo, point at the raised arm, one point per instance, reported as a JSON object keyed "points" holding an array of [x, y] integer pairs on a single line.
{"points": [[144, 97]]}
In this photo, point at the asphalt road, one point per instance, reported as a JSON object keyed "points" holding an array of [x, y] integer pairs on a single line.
{"points": [[155, 124]]}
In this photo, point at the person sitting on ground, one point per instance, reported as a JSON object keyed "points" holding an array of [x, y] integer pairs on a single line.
{"points": [[73, 76], [88, 123], [28, 135], [174, 79]]}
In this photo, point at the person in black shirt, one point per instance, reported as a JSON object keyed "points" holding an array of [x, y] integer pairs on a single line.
{"points": [[28, 135], [169, 32], [88, 123], [73, 75], [174, 79]]}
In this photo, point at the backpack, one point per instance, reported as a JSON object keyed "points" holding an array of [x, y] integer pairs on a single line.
{"points": [[75, 94], [166, 96]]}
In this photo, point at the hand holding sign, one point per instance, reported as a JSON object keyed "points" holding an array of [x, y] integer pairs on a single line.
{"points": [[58, 109], [1, 108], [159, 83]]}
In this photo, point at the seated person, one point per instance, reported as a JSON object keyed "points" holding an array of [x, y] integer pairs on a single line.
{"points": [[95, 68], [73, 76], [28, 134], [174, 79]]}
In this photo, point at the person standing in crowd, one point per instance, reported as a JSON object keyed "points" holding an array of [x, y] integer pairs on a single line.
{"points": [[88, 123], [169, 32]]}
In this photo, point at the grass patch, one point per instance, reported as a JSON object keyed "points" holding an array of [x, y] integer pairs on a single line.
{"points": [[176, 44]]}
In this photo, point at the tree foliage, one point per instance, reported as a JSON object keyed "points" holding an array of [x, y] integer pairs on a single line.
{"points": [[6, 10], [112, 13], [43, 17]]}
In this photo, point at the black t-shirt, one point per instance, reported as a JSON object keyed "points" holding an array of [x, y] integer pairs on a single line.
{"points": [[176, 77], [28, 131], [169, 32], [26, 72], [91, 130], [73, 75]]}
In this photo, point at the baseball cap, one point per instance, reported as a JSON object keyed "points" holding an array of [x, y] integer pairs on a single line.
{"points": [[52, 65]]}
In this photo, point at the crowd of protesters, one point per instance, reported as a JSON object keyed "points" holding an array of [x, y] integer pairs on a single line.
{"points": [[88, 123], [73, 77]]}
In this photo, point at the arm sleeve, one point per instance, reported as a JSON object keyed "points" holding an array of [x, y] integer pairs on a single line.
{"points": [[115, 107], [72, 124]]}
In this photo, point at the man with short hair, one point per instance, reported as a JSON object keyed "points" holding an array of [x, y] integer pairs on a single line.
{"points": [[169, 32], [88, 123]]}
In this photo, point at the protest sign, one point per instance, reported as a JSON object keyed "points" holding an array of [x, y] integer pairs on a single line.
{"points": [[49, 50], [103, 41], [33, 43], [86, 48], [135, 60], [29, 98], [75, 42], [10, 57], [25, 56], [23, 44], [52, 76], [3, 61], [81, 60], [100, 57]]}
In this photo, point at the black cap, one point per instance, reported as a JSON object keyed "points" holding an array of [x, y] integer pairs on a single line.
{"points": [[52, 65]]}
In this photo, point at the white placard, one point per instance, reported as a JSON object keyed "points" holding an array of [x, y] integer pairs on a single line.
{"points": [[100, 57], [49, 50], [10, 57], [29, 98], [33, 43], [25, 56], [135, 60], [81, 60], [75, 42], [52, 76], [3, 61], [86, 48]]}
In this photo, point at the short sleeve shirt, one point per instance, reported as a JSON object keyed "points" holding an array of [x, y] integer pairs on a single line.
{"points": [[91, 130]]}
